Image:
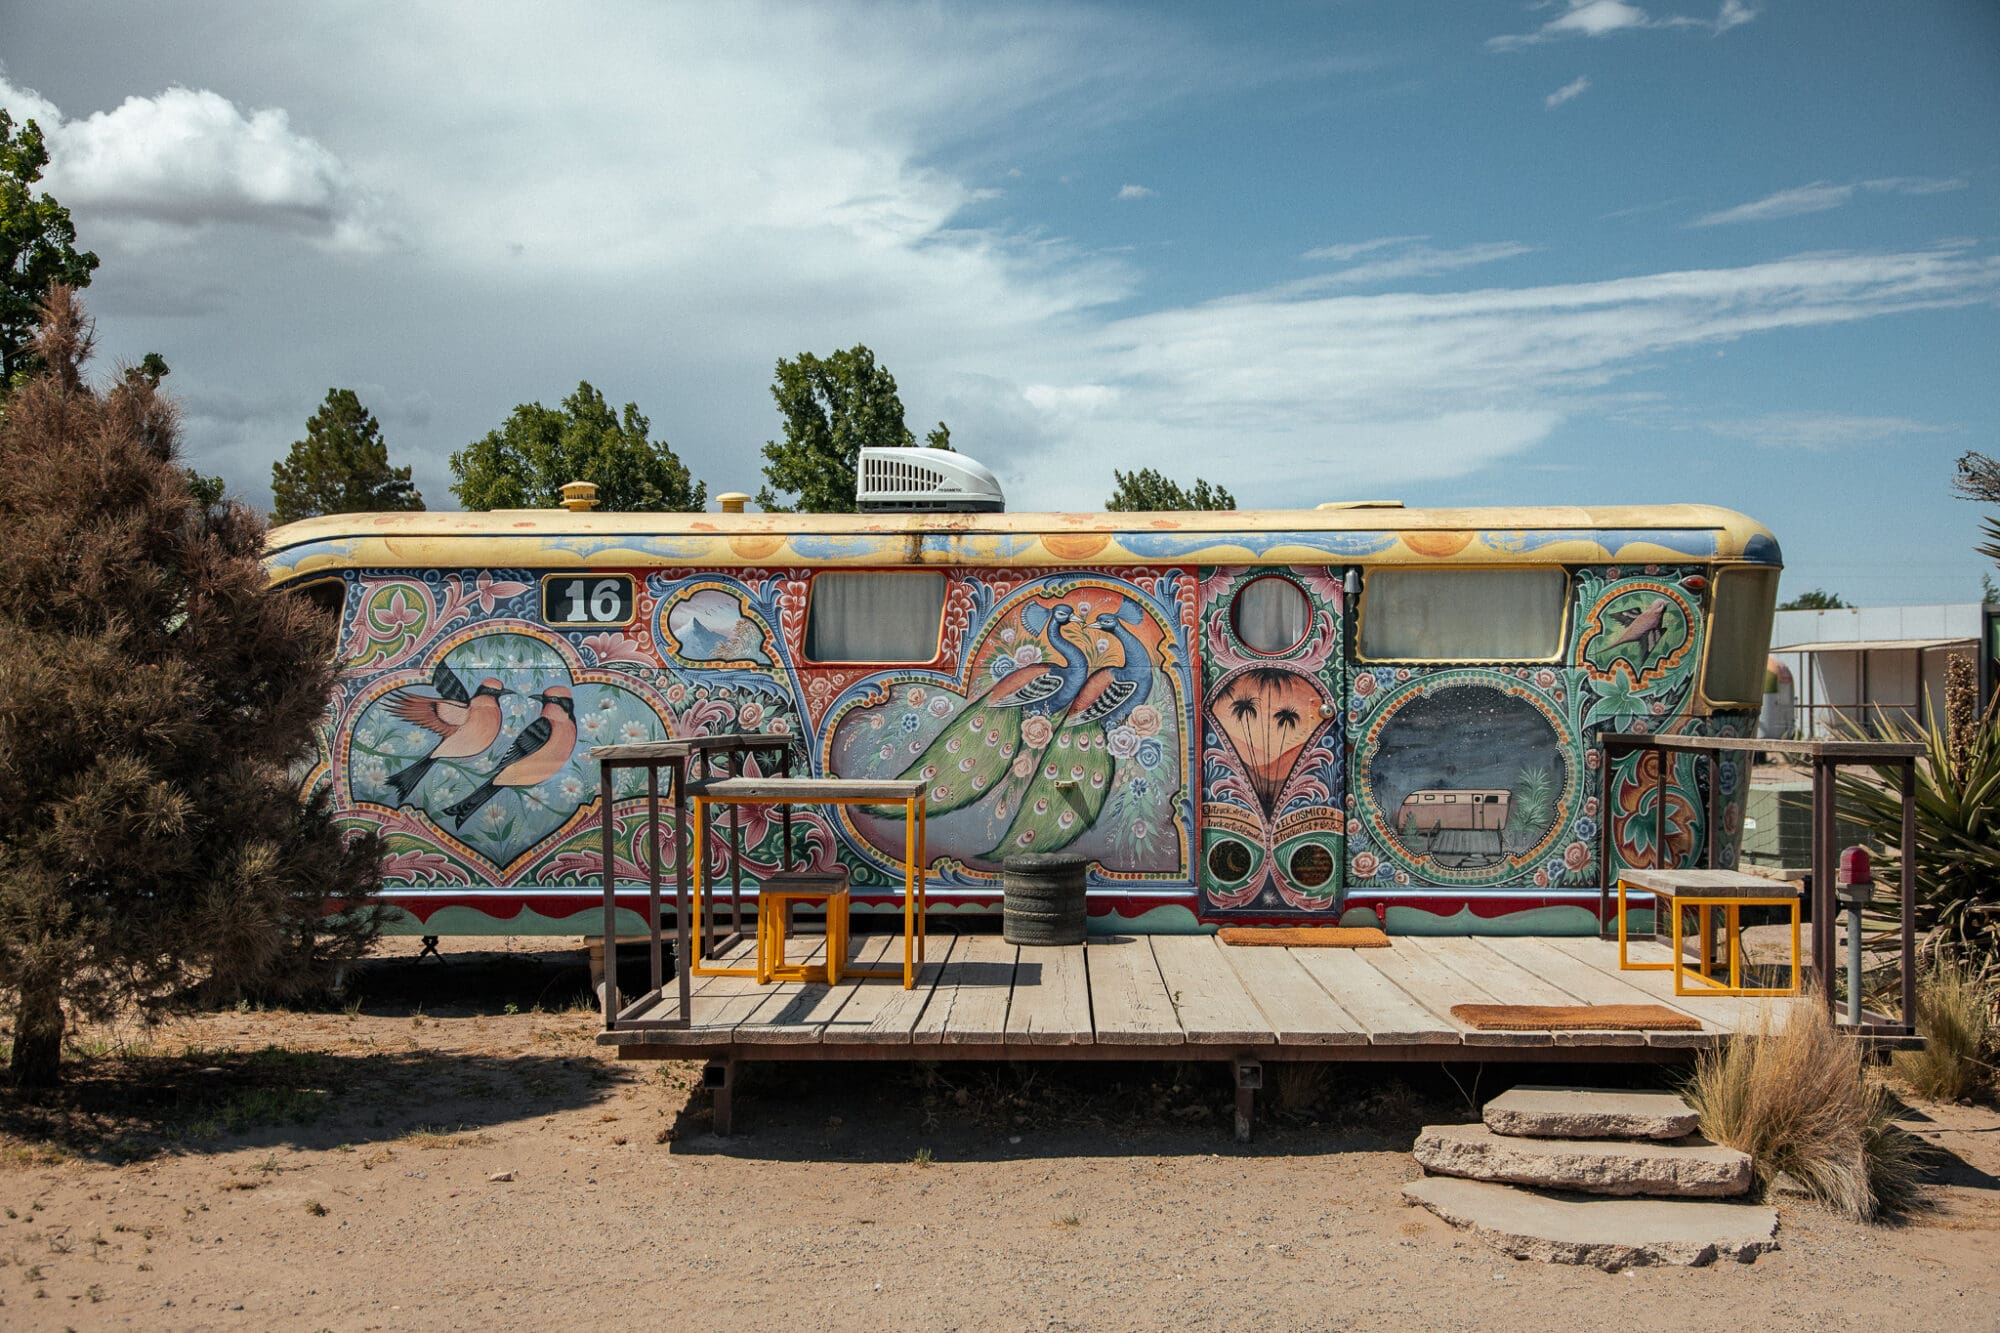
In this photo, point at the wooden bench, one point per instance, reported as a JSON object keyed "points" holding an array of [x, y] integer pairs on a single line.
{"points": [[1713, 895]]}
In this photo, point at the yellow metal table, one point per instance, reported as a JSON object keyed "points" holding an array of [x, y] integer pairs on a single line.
{"points": [[822, 791], [1723, 893]]}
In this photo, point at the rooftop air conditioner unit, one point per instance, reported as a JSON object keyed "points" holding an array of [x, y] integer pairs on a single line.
{"points": [[929, 481]]}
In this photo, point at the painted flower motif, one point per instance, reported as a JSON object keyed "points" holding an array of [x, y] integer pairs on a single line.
{"points": [[1354, 826], [1027, 654], [1402, 877], [491, 590], [677, 695], [593, 725], [1364, 685], [1541, 879], [1576, 856], [1141, 829], [1037, 730], [875, 722], [1123, 742], [915, 696], [494, 817], [396, 613], [940, 706], [1593, 758], [1151, 752], [374, 772], [1023, 765], [1385, 675], [1365, 864], [1146, 720], [571, 788], [1009, 634], [1560, 695], [1402, 673], [632, 733], [781, 726], [1103, 644], [1590, 805], [1545, 678], [1586, 828], [1659, 708], [909, 722], [1139, 788]]}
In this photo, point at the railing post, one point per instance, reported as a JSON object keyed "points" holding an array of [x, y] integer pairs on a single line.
{"points": [[1909, 896], [658, 971], [604, 799]]}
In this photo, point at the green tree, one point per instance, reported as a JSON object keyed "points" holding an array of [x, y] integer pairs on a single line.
{"points": [[155, 694], [525, 463], [1148, 491], [833, 407], [37, 244], [340, 467], [1813, 599]]}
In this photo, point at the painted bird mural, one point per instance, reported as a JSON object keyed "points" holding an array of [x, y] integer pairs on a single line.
{"points": [[970, 758], [465, 723], [1070, 774], [537, 754], [1644, 625]]}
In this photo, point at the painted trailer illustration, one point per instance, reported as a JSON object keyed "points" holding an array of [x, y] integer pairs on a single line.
{"points": [[1354, 711]]}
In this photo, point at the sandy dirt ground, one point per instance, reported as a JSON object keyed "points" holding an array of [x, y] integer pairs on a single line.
{"points": [[451, 1150]]}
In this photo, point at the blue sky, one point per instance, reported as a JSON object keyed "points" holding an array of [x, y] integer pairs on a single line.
{"points": [[1736, 252]]}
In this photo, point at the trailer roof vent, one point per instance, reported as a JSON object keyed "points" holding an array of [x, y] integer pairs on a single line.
{"points": [[931, 481]]}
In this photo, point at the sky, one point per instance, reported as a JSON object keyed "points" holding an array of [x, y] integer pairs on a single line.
{"points": [[1741, 252]]}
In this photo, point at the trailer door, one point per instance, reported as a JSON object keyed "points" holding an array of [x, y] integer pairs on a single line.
{"points": [[1273, 751]]}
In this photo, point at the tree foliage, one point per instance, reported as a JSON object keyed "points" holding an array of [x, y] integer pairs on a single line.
{"points": [[340, 467], [1979, 479], [525, 463], [1146, 490], [833, 407], [37, 244], [155, 696], [1815, 599]]}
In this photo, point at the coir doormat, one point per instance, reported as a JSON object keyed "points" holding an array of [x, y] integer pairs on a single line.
{"points": [[1307, 937], [1573, 1018]]}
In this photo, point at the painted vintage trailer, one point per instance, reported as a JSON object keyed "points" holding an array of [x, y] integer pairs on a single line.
{"points": [[1227, 713]]}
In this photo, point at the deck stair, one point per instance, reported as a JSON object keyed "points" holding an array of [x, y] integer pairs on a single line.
{"points": [[1601, 1177]]}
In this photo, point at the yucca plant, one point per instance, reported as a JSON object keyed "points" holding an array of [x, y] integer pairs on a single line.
{"points": [[1958, 823]]}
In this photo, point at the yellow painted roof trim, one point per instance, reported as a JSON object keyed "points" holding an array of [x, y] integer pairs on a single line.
{"points": [[1338, 537]]}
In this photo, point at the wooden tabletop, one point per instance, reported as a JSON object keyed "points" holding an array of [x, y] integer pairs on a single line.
{"points": [[857, 790], [1708, 884]]}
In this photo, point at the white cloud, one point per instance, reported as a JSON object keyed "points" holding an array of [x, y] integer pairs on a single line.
{"points": [[1575, 88], [1601, 18], [1823, 430], [187, 159], [1821, 196], [1407, 259], [1134, 192]]}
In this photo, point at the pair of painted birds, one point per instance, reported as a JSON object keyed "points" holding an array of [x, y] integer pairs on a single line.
{"points": [[467, 723]]}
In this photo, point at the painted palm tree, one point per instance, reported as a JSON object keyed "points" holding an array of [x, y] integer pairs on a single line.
{"points": [[1268, 715]]}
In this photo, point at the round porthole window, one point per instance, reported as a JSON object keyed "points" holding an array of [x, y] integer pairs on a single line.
{"points": [[1228, 861], [1271, 615], [1312, 865]]}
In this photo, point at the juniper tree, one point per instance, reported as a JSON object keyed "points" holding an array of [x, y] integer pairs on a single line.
{"points": [[340, 467], [157, 699]]}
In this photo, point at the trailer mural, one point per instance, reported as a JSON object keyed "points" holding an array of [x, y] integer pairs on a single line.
{"points": [[1111, 712]]}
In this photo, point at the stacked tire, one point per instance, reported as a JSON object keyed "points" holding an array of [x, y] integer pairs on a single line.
{"points": [[1043, 899]]}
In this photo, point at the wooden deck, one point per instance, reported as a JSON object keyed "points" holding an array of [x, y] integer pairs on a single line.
{"points": [[1180, 997]]}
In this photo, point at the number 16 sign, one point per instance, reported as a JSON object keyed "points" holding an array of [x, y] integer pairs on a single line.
{"points": [[597, 599]]}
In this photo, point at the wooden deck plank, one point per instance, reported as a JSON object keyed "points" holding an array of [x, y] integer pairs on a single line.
{"points": [[969, 1001], [1727, 1013], [1297, 1007], [1386, 1010], [1498, 974], [881, 1010], [1437, 988], [1208, 999], [1051, 1002], [1590, 985], [1128, 999], [795, 1012]]}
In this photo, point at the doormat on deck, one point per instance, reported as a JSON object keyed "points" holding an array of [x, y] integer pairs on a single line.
{"points": [[1307, 937], [1573, 1018]]}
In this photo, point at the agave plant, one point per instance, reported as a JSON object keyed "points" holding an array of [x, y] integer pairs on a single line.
{"points": [[1958, 828]]}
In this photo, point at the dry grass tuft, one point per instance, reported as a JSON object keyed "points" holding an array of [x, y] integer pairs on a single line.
{"points": [[1797, 1097], [1954, 1015], [1302, 1085]]}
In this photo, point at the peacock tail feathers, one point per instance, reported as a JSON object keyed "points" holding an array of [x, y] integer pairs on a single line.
{"points": [[1068, 789]]}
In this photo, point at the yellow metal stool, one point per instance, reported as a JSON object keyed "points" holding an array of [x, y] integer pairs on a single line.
{"points": [[775, 899], [1725, 892]]}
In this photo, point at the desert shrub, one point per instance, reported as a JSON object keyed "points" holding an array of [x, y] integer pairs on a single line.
{"points": [[1797, 1096], [1955, 1018]]}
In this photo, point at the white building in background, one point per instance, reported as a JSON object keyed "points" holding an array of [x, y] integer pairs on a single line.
{"points": [[1861, 664]]}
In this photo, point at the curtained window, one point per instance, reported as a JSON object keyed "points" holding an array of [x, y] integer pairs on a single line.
{"points": [[874, 617], [1459, 615], [1271, 615]]}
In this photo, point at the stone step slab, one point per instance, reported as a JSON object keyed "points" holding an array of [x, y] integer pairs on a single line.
{"points": [[1603, 1233], [1590, 1113], [1699, 1169]]}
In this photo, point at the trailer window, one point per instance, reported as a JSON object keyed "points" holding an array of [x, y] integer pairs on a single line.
{"points": [[330, 596], [1739, 636], [1463, 615], [1271, 615], [875, 617]]}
